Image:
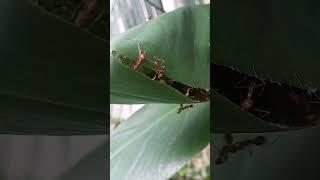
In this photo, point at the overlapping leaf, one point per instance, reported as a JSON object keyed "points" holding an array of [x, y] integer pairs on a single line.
{"points": [[181, 39], [156, 141], [52, 74]]}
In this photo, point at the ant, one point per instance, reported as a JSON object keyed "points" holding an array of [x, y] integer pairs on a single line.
{"points": [[223, 153], [247, 104], [159, 69], [87, 12], [259, 140], [149, 18], [181, 108], [189, 91], [232, 148], [141, 58], [181, 105]]}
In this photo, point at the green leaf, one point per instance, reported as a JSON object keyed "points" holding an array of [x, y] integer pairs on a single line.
{"points": [[181, 39], [156, 141], [280, 40], [286, 155], [52, 74]]}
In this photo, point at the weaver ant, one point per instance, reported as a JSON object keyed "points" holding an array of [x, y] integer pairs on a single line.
{"points": [[185, 107], [188, 91], [141, 58], [223, 153], [149, 18], [232, 148], [87, 12], [247, 104], [158, 68]]}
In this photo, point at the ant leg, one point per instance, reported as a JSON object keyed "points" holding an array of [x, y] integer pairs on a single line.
{"points": [[262, 81], [267, 113], [299, 80], [236, 85], [171, 82], [152, 62], [139, 49], [145, 51], [241, 100], [158, 59], [154, 76], [316, 95]]}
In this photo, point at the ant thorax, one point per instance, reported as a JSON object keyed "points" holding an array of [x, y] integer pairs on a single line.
{"points": [[142, 56]]}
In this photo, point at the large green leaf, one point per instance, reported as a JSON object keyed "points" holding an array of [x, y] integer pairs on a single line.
{"points": [[281, 40], [181, 38], [286, 155], [156, 141], [52, 74]]}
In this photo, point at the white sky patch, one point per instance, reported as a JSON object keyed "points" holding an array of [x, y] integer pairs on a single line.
{"points": [[121, 25], [168, 5], [123, 111], [144, 8]]}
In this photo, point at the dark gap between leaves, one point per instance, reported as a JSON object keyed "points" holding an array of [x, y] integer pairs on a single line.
{"points": [[282, 105], [197, 94]]}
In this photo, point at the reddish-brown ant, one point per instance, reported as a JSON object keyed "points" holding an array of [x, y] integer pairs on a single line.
{"points": [[149, 18], [188, 91], [181, 105], [141, 58], [224, 151], [159, 69], [247, 104], [87, 12], [232, 148]]}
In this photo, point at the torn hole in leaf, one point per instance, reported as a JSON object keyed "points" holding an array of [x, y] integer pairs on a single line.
{"points": [[278, 104], [194, 93]]}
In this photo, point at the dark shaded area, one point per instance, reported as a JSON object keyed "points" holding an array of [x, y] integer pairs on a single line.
{"points": [[90, 15], [273, 102]]}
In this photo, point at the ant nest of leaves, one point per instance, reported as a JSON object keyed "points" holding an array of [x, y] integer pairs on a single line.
{"points": [[196, 94], [278, 104]]}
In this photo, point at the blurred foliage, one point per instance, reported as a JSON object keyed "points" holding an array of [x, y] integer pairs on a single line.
{"points": [[196, 169]]}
